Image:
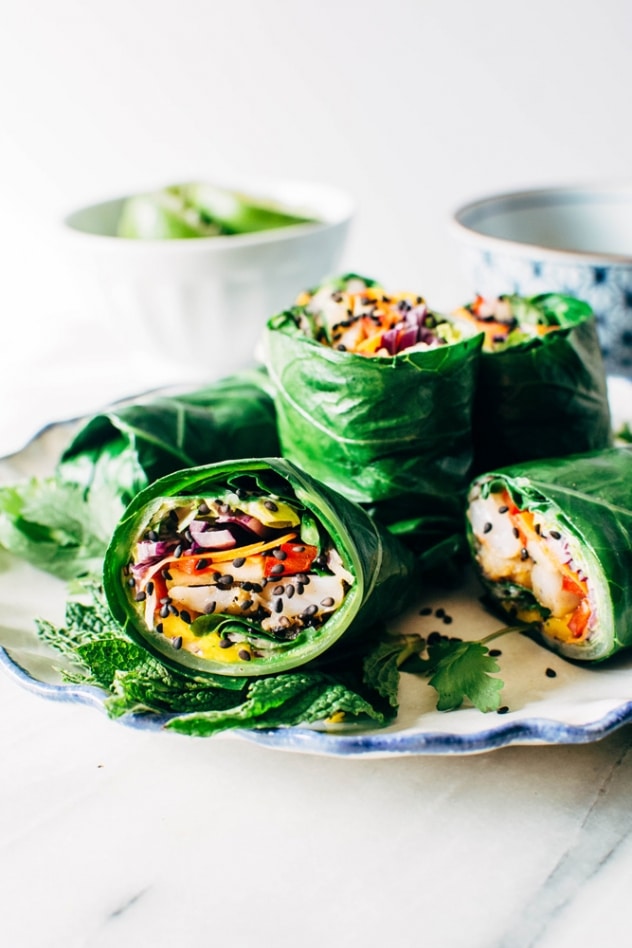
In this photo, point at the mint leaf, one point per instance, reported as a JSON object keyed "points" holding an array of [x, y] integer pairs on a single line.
{"points": [[382, 665], [283, 700]]}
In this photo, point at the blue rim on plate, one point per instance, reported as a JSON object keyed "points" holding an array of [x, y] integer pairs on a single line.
{"points": [[376, 743]]}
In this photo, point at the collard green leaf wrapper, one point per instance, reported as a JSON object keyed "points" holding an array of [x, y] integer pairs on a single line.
{"points": [[122, 450], [391, 432], [546, 397], [385, 574], [588, 499]]}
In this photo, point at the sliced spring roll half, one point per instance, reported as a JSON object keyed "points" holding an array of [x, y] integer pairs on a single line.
{"points": [[249, 567], [552, 542], [374, 393], [541, 390]]}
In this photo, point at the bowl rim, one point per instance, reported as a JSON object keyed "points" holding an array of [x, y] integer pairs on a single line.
{"points": [[266, 188], [466, 231]]}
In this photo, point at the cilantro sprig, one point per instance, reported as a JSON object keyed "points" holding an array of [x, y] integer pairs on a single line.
{"points": [[458, 670]]}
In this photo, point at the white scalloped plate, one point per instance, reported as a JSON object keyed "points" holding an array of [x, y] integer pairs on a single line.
{"points": [[549, 700]]}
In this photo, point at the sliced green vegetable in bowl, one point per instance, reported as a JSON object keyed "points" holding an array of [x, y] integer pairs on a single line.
{"points": [[552, 542], [201, 210], [542, 389], [250, 567]]}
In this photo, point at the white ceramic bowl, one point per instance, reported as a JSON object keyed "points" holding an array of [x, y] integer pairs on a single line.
{"points": [[573, 240], [204, 301]]}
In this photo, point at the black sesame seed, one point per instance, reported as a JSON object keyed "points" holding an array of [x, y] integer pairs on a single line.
{"points": [[202, 564], [503, 710], [300, 588], [516, 532], [225, 580], [439, 613], [225, 643], [278, 605], [524, 554], [209, 608], [270, 505], [495, 652], [140, 596], [160, 628], [239, 561], [150, 587], [216, 576], [246, 604], [164, 612], [538, 527], [244, 655], [503, 509], [185, 616], [447, 620], [302, 578], [152, 535], [551, 673], [166, 574], [426, 611], [173, 610], [327, 602], [279, 554], [177, 642], [555, 535], [487, 527], [203, 508], [434, 637], [278, 590], [131, 581], [277, 569], [256, 587], [298, 549], [289, 590], [311, 610], [178, 551]]}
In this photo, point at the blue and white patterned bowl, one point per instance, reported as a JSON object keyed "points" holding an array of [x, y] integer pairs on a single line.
{"points": [[573, 240]]}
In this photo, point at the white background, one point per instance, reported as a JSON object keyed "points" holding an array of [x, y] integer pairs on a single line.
{"points": [[413, 105]]}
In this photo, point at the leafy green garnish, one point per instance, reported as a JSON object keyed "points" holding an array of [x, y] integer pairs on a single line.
{"points": [[459, 670], [48, 523]]}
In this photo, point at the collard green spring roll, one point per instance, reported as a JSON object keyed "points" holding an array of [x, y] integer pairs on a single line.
{"points": [[542, 388], [374, 394], [552, 542], [250, 567]]}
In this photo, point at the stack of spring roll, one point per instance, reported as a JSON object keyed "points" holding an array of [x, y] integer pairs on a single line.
{"points": [[326, 481]]}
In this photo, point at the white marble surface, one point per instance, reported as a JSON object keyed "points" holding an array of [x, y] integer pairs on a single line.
{"points": [[115, 837]]}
